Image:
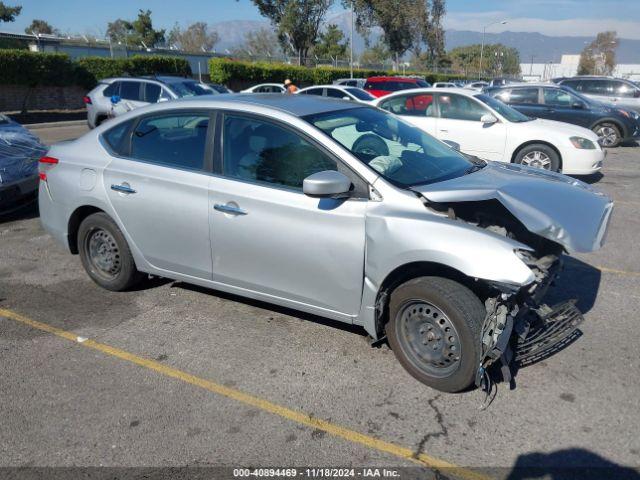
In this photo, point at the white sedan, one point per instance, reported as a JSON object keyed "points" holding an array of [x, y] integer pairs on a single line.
{"points": [[485, 127], [343, 92], [266, 88]]}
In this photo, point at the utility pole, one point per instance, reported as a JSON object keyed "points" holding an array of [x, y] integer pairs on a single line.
{"points": [[351, 43], [484, 31]]}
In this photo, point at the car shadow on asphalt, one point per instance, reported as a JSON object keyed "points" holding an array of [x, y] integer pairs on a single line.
{"points": [[569, 464], [355, 329]]}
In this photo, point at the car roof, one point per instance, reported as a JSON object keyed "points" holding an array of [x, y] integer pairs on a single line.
{"points": [[338, 87], [385, 79], [297, 105], [462, 91], [162, 79]]}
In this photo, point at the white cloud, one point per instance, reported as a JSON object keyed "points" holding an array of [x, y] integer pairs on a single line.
{"points": [[576, 27]]}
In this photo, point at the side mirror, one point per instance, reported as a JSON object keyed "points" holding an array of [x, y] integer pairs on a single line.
{"points": [[488, 119], [328, 183], [346, 98], [162, 99], [578, 105]]}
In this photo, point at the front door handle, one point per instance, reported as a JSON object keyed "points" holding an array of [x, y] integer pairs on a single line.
{"points": [[444, 131], [123, 188], [231, 209]]}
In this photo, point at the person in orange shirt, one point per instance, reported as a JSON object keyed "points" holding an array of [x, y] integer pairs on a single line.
{"points": [[291, 88]]}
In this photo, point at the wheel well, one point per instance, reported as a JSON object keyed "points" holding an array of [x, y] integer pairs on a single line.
{"points": [[534, 142], [74, 224], [409, 271]]}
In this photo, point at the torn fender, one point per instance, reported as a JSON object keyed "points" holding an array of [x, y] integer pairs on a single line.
{"points": [[554, 206]]}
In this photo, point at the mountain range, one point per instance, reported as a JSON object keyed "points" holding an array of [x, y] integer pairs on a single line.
{"points": [[543, 48]]}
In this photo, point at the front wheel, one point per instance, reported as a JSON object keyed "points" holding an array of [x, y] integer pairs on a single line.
{"points": [[539, 155], [609, 134], [434, 330], [105, 254]]}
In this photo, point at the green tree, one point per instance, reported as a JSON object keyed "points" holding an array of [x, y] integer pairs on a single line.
{"points": [[497, 59], [40, 27], [195, 38], [375, 55], [332, 43], [297, 22], [434, 35], [139, 32], [403, 22], [9, 14], [599, 57], [261, 43]]}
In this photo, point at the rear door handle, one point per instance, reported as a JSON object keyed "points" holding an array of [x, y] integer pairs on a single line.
{"points": [[231, 209], [123, 188]]}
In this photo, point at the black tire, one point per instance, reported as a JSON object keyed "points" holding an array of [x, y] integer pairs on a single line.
{"points": [[545, 152], [421, 312], [371, 145], [100, 119], [105, 254], [609, 134]]}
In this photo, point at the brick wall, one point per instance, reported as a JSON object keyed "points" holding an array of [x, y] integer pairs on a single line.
{"points": [[41, 98]]}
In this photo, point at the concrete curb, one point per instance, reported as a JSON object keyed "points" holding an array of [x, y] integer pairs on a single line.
{"points": [[69, 123]]}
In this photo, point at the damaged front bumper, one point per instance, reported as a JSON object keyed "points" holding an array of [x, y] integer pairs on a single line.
{"points": [[521, 330]]}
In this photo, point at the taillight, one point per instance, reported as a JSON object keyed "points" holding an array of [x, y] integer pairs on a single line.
{"points": [[46, 164], [87, 100]]}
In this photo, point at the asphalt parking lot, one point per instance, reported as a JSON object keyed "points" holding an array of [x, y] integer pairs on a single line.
{"points": [[175, 375]]}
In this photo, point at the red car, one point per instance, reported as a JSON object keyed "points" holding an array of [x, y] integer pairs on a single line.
{"points": [[381, 86]]}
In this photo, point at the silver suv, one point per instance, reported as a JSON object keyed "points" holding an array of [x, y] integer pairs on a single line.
{"points": [[138, 92], [333, 208], [618, 91]]}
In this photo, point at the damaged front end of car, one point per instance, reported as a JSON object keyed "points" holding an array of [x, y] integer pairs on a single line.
{"points": [[549, 213]]}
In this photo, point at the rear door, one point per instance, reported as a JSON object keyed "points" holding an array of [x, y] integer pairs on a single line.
{"points": [[527, 101], [459, 123], [267, 236], [157, 183], [417, 108]]}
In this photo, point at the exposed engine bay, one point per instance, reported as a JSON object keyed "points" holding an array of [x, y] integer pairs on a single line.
{"points": [[518, 328]]}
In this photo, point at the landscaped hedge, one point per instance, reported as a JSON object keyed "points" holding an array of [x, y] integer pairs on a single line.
{"points": [[21, 67], [102, 67], [226, 71]]}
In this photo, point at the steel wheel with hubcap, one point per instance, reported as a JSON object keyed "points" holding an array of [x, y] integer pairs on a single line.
{"points": [[104, 253], [608, 134]]}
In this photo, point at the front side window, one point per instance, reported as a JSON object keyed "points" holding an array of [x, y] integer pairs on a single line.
{"points": [[314, 91], [595, 87], [151, 92], [417, 105], [360, 94], [458, 107], [173, 140], [335, 93], [400, 152], [559, 98], [130, 91], [263, 152], [511, 114]]}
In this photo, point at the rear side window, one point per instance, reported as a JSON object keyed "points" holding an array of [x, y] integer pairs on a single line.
{"points": [[594, 87], [558, 97], [111, 90], [524, 95], [172, 140], [152, 92], [130, 91], [575, 84], [116, 137]]}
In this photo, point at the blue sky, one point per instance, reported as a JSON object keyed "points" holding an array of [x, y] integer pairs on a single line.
{"points": [[554, 17]]}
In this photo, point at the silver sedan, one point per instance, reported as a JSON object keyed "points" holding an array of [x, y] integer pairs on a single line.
{"points": [[332, 208]]}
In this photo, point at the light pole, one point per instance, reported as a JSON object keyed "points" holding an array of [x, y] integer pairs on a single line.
{"points": [[484, 31], [351, 43]]}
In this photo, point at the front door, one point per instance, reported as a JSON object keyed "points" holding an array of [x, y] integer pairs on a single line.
{"points": [[459, 123], [267, 236], [160, 192]]}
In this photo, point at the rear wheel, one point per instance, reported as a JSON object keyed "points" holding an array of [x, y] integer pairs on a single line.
{"points": [[539, 155], [609, 134], [434, 331], [105, 254]]}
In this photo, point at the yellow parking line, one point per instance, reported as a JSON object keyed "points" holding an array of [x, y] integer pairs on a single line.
{"points": [[619, 272], [265, 405]]}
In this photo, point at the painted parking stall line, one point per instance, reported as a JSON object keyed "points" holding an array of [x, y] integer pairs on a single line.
{"points": [[257, 402]]}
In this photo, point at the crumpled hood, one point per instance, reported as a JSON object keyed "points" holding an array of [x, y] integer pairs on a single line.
{"points": [[554, 206]]}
